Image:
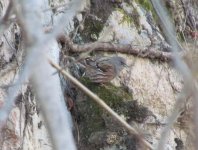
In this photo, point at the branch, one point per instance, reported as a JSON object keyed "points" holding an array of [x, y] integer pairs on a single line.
{"points": [[101, 103], [151, 53]]}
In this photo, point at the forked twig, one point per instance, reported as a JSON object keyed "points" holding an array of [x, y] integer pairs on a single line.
{"points": [[101, 103], [151, 53]]}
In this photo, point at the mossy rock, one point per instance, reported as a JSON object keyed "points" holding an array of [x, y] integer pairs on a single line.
{"points": [[147, 5], [129, 19], [111, 94], [91, 114], [93, 119], [94, 23], [92, 27]]}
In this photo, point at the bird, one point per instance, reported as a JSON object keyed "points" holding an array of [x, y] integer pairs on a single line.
{"points": [[103, 69]]}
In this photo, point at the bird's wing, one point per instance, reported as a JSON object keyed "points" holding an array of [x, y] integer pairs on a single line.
{"points": [[105, 66]]}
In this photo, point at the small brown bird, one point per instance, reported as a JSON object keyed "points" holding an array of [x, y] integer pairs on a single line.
{"points": [[103, 69]]}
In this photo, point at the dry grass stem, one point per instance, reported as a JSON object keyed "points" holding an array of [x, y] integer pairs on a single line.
{"points": [[101, 103]]}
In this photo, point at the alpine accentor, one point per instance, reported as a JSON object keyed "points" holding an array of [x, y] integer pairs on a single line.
{"points": [[103, 69]]}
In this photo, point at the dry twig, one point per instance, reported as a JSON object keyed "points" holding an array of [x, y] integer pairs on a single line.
{"points": [[151, 53]]}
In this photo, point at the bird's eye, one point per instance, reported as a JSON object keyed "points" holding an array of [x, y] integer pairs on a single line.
{"points": [[123, 64]]}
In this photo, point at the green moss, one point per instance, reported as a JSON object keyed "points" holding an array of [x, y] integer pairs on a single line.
{"points": [[126, 18], [146, 4], [94, 23], [91, 118], [111, 94], [92, 27], [130, 18], [91, 113]]}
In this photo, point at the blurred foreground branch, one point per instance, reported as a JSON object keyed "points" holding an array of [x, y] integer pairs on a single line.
{"points": [[189, 88]]}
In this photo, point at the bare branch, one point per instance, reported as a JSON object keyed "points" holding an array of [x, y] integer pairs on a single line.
{"points": [[151, 53]]}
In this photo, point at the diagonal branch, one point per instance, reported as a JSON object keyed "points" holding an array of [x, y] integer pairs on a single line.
{"points": [[102, 104]]}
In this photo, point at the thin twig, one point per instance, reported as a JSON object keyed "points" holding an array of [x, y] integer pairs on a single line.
{"points": [[101, 103]]}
